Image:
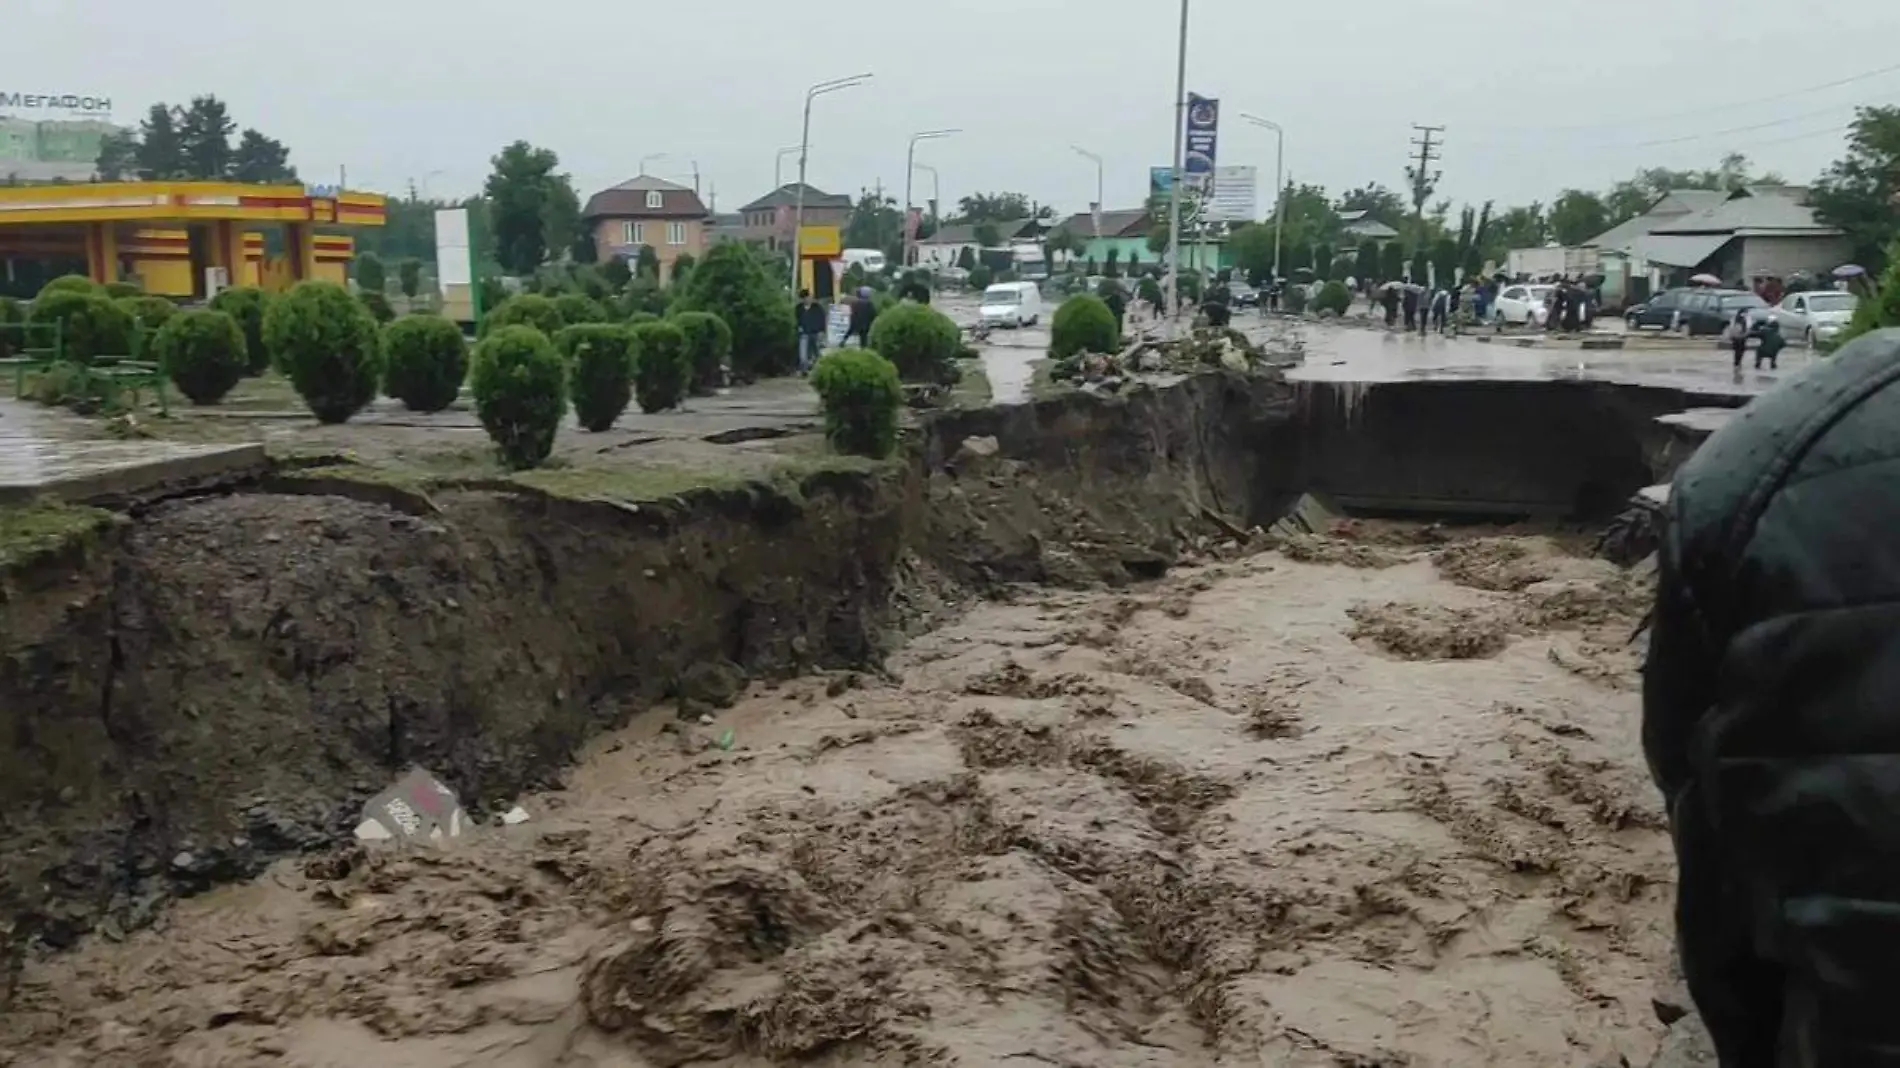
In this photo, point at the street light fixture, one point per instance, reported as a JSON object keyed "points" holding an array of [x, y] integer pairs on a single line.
{"points": [[1180, 165], [910, 165], [1279, 179], [778, 166], [1097, 213], [804, 154]]}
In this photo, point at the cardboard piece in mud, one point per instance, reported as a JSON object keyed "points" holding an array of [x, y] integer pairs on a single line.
{"points": [[418, 808]]}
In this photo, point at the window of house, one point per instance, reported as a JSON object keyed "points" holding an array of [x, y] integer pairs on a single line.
{"points": [[676, 233], [626, 233], [636, 233], [655, 199]]}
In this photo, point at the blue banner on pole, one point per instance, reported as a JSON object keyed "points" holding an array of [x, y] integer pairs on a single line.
{"points": [[1203, 136]]}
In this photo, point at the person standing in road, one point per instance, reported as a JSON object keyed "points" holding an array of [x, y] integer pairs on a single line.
{"points": [[1410, 300], [1770, 720], [1390, 298], [1573, 307], [1736, 335], [811, 330], [1771, 345], [863, 312], [1441, 309]]}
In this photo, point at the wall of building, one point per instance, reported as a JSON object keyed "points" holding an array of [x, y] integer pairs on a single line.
{"points": [[610, 233], [1779, 257], [777, 233]]}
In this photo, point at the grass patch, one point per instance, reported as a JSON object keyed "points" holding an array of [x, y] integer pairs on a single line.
{"points": [[973, 389], [29, 530]]}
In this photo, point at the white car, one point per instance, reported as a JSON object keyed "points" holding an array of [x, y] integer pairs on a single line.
{"points": [[1815, 316], [1011, 304], [1522, 305]]}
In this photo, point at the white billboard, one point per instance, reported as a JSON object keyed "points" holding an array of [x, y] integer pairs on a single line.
{"points": [[454, 266], [1236, 195]]}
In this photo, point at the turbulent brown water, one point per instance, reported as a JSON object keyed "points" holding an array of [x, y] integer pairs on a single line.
{"points": [[1373, 801]]}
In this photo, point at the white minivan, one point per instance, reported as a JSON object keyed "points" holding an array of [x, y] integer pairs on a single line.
{"points": [[1011, 304], [870, 259]]}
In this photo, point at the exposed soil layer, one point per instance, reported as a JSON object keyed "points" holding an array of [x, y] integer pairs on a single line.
{"points": [[1190, 822]]}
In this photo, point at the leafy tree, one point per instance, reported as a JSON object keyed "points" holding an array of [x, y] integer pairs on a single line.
{"points": [[1065, 241], [1376, 201], [600, 359], [520, 386], [1524, 227], [426, 359], [875, 222], [1365, 265], [202, 351], [204, 137], [328, 345], [617, 273], [1859, 191], [1251, 247], [245, 305], [1083, 323], [161, 153], [731, 284], [920, 341], [1420, 267], [1392, 261], [1577, 216], [1310, 217], [997, 207], [662, 367], [409, 277], [1445, 261], [988, 235], [370, 274], [521, 192], [261, 159], [562, 220], [118, 156], [861, 396]]}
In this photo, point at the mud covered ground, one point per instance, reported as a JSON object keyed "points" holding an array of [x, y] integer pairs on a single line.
{"points": [[1373, 800]]}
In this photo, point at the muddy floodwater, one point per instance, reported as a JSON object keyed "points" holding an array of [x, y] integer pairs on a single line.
{"points": [[1373, 800]]}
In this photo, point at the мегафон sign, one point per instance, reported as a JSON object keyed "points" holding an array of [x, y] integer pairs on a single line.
{"points": [[90, 105]]}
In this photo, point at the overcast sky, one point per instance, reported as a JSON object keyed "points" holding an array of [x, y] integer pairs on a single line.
{"points": [[1536, 96]]}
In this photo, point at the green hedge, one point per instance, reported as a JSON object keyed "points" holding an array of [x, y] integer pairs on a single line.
{"points": [[426, 358], [731, 284], [661, 367], [576, 308], [1333, 297], [600, 362], [203, 353], [71, 283], [525, 309], [149, 313], [520, 387], [91, 324], [328, 345], [920, 341], [1083, 324], [246, 304], [861, 396], [708, 347]]}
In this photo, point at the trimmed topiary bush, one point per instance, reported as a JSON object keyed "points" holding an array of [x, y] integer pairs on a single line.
{"points": [[919, 340], [600, 361], [379, 307], [149, 313], [861, 395], [1082, 324], [520, 387], [70, 283], [661, 366], [731, 284], [120, 290], [642, 317], [576, 308], [246, 304], [91, 324], [327, 344], [525, 309], [1293, 301], [708, 346], [1333, 297], [203, 353], [425, 358]]}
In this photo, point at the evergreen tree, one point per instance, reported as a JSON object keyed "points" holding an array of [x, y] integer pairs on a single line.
{"points": [[160, 153], [204, 138], [261, 159]]}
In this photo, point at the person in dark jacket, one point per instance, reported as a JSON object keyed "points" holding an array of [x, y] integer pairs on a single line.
{"points": [[1771, 345], [1771, 717], [862, 313], [1390, 298], [811, 330]]}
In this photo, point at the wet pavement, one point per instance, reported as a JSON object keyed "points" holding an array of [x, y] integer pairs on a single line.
{"points": [[1347, 354], [43, 453]]}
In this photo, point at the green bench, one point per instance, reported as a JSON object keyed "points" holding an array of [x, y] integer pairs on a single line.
{"points": [[130, 371], [31, 347]]}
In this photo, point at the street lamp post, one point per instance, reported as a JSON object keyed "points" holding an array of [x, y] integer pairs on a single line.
{"points": [[778, 166], [1279, 186], [1099, 206], [804, 154], [1180, 164], [936, 190], [910, 165]]}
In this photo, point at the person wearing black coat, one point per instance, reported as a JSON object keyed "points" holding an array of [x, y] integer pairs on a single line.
{"points": [[1771, 717], [863, 312]]}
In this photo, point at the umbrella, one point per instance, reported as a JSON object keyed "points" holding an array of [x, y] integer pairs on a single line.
{"points": [[1849, 270], [1705, 280]]}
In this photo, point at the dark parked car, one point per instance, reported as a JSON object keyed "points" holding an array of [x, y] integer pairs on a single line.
{"points": [[1695, 312]]}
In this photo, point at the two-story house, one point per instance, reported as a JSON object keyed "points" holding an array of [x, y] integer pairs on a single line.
{"points": [[769, 220], [665, 216]]}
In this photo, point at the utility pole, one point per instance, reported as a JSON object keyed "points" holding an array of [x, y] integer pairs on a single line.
{"points": [[1424, 181], [1179, 164]]}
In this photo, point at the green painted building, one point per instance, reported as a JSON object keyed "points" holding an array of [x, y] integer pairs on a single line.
{"points": [[32, 150], [1125, 232]]}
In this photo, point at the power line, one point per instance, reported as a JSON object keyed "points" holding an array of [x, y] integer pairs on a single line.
{"points": [[1424, 179], [1732, 105], [1769, 125]]}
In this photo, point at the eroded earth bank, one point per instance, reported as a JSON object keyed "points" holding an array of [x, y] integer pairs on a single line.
{"points": [[1165, 796]]}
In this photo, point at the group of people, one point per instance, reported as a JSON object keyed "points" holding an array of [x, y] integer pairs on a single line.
{"points": [[1769, 349], [814, 323]]}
